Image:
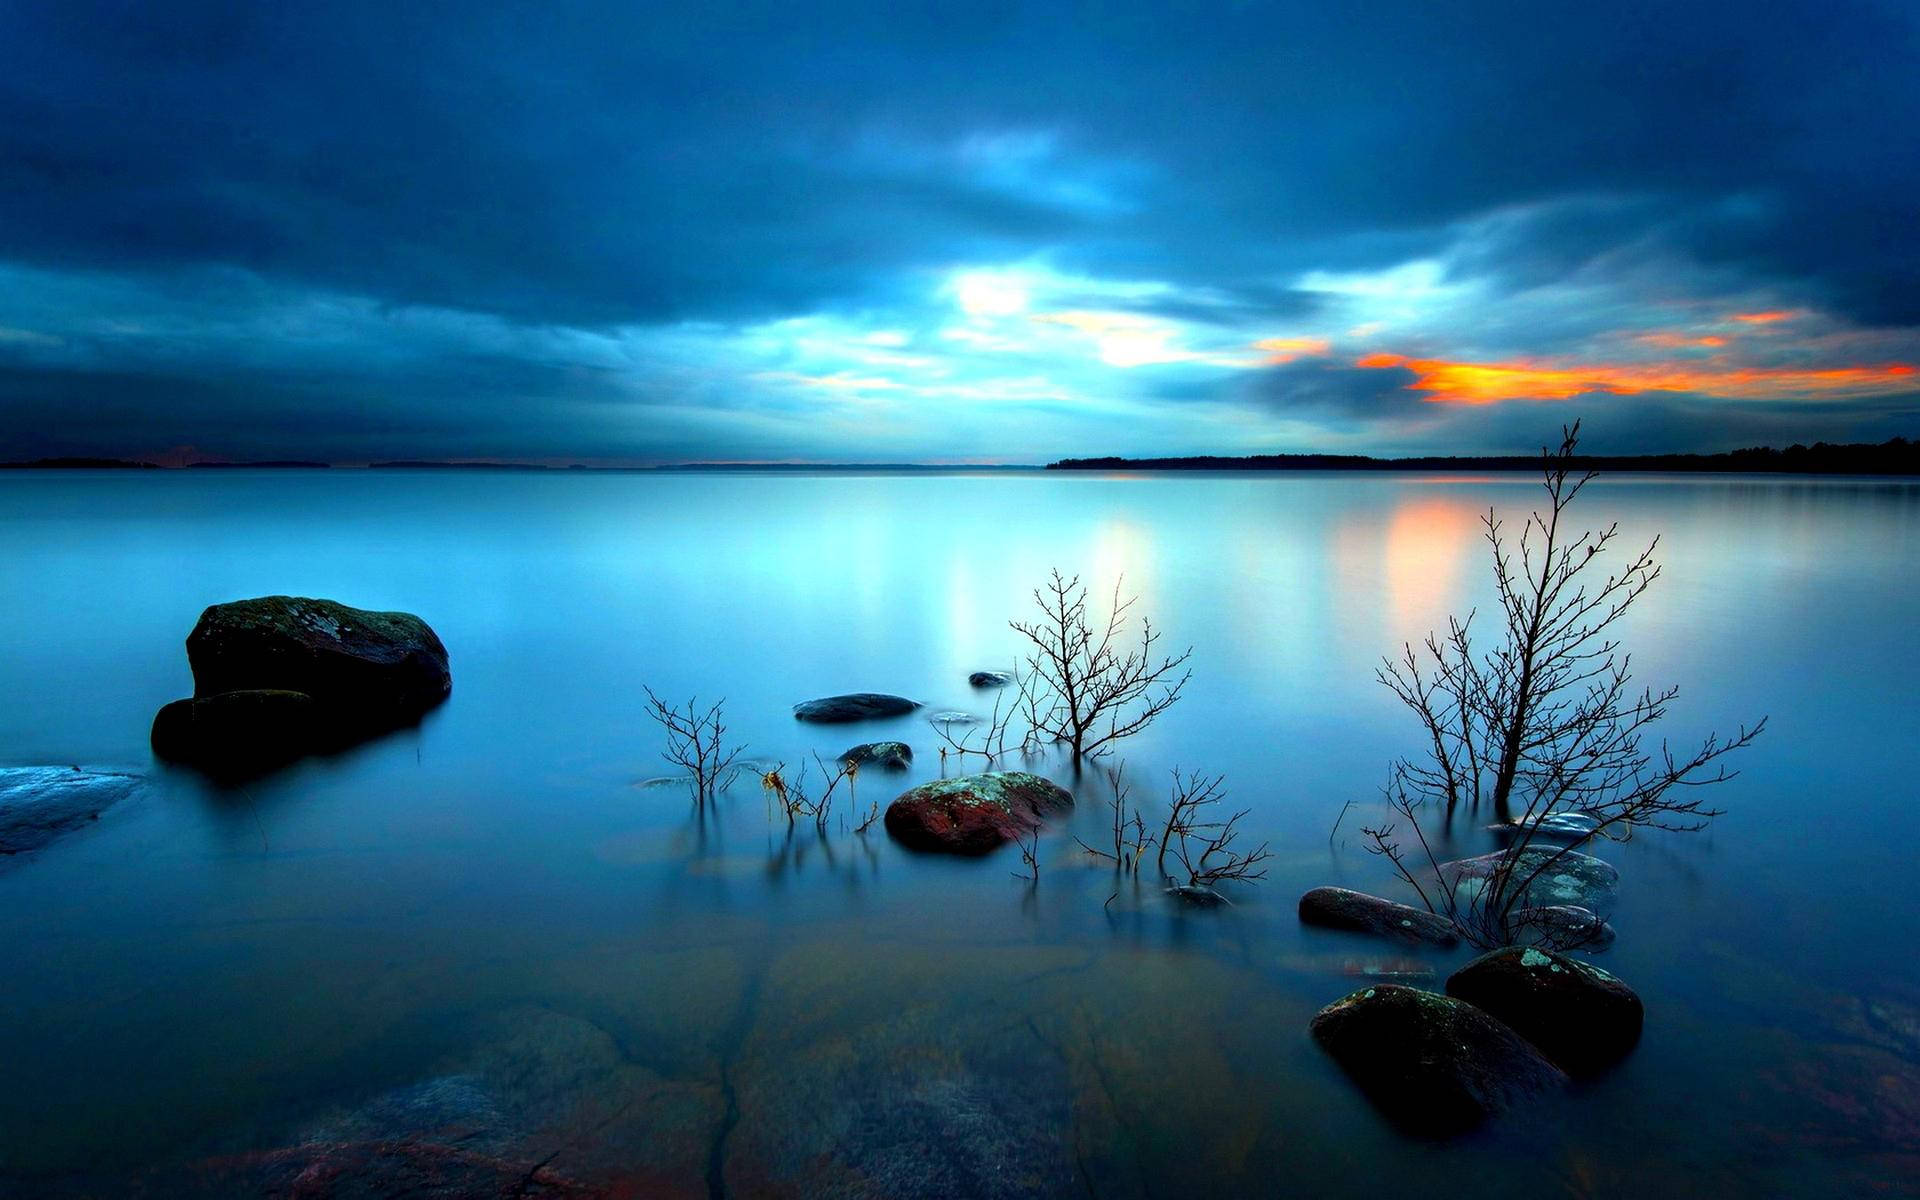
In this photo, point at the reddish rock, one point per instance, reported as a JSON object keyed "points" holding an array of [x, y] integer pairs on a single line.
{"points": [[974, 814]]}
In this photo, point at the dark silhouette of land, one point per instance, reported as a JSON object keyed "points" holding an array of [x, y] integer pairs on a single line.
{"points": [[1895, 457]]}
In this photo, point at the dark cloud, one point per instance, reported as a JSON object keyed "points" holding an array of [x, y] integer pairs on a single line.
{"points": [[614, 165]]}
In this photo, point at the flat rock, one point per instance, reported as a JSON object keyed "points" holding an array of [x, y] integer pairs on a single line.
{"points": [[974, 814], [1567, 826], [855, 706], [1435, 1066], [892, 756], [374, 670], [1341, 908], [954, 716], [990, 679], [1564, 877], [1580, 1017], [40, 804]]}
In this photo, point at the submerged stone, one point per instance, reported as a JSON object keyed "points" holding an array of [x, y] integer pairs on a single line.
{"points": [[1197, 895], [854, 706], [990, 679], [893, 756], [1541, 877], [40, 804], [974, 814], [1569, 825], [1562, 926], [1341, 908], [1435, 1066], [1579, 1016]]}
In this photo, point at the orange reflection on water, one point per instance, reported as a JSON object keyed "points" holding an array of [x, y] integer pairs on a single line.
{"points": [[1430, 543]]}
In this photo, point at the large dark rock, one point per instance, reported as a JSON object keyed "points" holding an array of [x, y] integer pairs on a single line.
{"points": [[39, 804], [974, 814], [892, 756], [1581, 1017], [1434, 1065], [856, 706], [1340, 908], [374, 670], [1558, 877]]}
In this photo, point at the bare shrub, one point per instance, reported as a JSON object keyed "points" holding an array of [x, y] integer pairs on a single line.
{"points": [[1544, 723], [1201, 845], [791, 797], [1090, 682], [696, 742], [1129, 828]]}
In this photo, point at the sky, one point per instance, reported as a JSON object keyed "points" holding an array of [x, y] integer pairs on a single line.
{"points": [[789, 232]]}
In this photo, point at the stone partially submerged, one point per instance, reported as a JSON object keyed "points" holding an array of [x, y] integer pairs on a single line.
{"points": [[1434, 1065], [1341, 908], [1541, 877], [974, 814], [1580, 1016], [41, 804], [891, 756], [276, 677], [854, 706]]}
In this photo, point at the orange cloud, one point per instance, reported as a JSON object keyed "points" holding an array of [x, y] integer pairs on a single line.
{"points": [[1490, 383], [1286, 349], [1772, 316]]}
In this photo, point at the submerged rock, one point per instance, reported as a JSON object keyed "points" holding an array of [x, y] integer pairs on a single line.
{"points": [[990, 679], [40, 804], [1341, 908], [1197, 895], [1569, 826], [1434, 1065], [855, 706], [374, 670], [1563, 926], [242, 730], [1558, 877], [953, 716], [974, 814], [1581, 1017], [892, 756]]}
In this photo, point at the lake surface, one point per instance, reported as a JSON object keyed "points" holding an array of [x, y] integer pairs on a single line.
{"points": [[487, 932]]}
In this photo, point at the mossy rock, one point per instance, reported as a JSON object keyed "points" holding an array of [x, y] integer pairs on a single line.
{"points": [[1581, 1017], [1558, 877], [974, 814], [1435, 1066], [372, 670]]}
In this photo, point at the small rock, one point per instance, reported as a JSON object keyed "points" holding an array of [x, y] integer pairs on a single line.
{"points": [[1340, 908], [974, 814], [953, 716], [1581, 1017], [39, 804], [1559, 877], [990, 679], [855, 706], [893, 756], [1434, 1065]]}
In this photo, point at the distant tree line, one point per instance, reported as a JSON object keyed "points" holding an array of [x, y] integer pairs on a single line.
{"points": [[1897, 456]]}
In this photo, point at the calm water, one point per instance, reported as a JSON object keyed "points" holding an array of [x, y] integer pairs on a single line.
{"points": [[486, 920]]}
